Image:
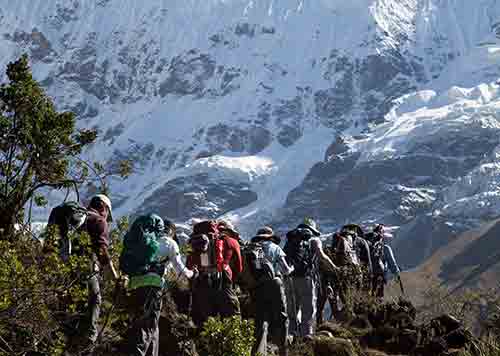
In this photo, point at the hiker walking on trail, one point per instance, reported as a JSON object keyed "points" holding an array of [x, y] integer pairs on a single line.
{"points": [[96, 225], [301, 290], [215, 249], [265, 263], [148, 247], [362, 250], [383, 260], [232, 265], [327, 269], [71, 217], [345, 253]]}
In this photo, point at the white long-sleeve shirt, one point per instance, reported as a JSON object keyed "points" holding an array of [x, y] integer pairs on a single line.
{"points": [[169, 250]]}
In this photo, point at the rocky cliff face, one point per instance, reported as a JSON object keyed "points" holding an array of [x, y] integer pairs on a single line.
{"points": [[266, 111]]}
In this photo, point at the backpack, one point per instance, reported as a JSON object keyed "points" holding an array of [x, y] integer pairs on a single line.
{"points": [[206, 239], [141, 246], [344, 250], [67, 218], [256, 266], [363, 251], [298, 252], [378, 258]]}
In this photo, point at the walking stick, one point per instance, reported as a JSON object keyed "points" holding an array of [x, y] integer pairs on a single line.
{"points": [[401, 285]]}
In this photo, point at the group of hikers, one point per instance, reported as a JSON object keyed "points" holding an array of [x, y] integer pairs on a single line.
{"points": [[287, 286]]}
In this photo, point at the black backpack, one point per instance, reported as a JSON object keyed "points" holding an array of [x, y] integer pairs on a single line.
{"points": [[363, 250], [67, 218], [256, 266], [378, 258], [298, 252]]}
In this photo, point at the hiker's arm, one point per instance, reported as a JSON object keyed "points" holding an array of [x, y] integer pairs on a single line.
{"points": [[286, 269], [239, 259], [368, 254], [180, 268], [227, 256], [100, 235], [170, 250], [323, 257], [391, 260]]}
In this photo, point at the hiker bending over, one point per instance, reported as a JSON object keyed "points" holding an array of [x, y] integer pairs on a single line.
{"points": [[148, 247]]}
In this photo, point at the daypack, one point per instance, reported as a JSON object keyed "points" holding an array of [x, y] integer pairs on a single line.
{"points": [[141, 246], [298, 252], [67, 218], [378, 258], [363, 251], [256, 266], [344, 250], [207, 247]]}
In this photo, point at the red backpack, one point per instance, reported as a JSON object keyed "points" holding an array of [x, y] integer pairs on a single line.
{"points": [[206, 238]]}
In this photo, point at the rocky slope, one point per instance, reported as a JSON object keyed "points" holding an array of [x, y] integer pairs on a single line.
{"points": [[266, 111], [468, 262]]}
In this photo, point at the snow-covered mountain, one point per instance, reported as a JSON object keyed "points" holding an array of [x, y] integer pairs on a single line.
{"points": [[265, 111]]}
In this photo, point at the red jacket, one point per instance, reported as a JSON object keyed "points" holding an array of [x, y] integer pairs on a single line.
{"points": [[232, 257], [231, 261]]}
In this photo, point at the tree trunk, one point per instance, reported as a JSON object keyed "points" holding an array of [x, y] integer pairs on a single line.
{"points": [[8, 219]]}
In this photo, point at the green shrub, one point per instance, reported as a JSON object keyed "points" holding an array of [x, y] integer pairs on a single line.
{"points": [[227, 337]]}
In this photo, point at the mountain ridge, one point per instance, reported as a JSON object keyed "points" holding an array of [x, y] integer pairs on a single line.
{"points": [[264, 112]]}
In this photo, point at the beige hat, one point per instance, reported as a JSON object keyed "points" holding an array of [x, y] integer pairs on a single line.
{"points": [[226, 225], [265, 232], [106, 202]]}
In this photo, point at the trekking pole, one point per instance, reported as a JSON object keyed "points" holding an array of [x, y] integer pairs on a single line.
{"points": [[116, 293], [401, 285]]}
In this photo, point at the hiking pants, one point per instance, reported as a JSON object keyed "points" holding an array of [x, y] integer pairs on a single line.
{"points": [[304, 293], [145, 308], [94, 307], [228, 304], [212, 298], [325, 281], [378, 285], [271, 317]]}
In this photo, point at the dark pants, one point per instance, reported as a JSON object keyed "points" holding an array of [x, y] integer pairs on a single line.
{"points": [[213, 297], [378, 285], [145, 308], [94, 307], [323, 296], [271, 315], [301, 296]]}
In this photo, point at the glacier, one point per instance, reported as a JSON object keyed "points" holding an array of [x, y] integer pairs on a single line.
{"points": [[265, 111]]}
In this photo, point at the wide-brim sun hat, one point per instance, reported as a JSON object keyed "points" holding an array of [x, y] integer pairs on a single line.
{"points": [[311, 225], [226, 225], [265, 232]]}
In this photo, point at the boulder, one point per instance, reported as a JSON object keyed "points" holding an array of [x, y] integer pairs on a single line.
{"points": [[333, 346]]}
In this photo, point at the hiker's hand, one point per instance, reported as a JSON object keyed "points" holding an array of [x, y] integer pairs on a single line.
{"points": [[116, 276], [196, 273], [122, 282]]}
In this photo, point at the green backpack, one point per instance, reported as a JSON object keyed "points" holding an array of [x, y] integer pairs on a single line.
{"points": [[140, 246]]}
